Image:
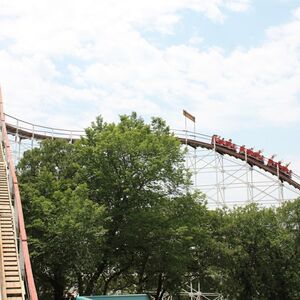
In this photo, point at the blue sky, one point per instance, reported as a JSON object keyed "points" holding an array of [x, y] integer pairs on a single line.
{"points": [[234, 64], [246, 29]]}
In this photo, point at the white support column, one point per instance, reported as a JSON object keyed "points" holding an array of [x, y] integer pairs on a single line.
{"points": [[280, 191], [249, 182], [217, 178], [19, 149], [32, 137], [222, 186]]}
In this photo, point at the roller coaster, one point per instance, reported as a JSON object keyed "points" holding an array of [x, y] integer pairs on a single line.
{"points": [[217, 169]]}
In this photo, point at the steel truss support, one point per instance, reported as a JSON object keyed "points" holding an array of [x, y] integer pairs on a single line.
{"points": [[228, 181], [194, 294], [197, 294]]}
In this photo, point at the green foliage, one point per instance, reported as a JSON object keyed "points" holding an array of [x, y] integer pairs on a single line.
{"points": [[63, 225], [111, 211], [137, 172], [260, 252], [114, 212], [289, 218]]}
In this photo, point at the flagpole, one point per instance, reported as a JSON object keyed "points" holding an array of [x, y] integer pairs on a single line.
{"points": [[187, 115]]}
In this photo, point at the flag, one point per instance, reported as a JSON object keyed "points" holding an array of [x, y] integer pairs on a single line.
{"points": [[189, 116]]}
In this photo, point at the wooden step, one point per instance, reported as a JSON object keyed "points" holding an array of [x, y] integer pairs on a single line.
{"points": [[8, 254], [9, 257], [12, 274], [6, 227], [11, 268], [12, 278], [8, 242], [4, 207], [13, 291], [9, 260], [5, 223], [13, 285], [9, 264], [8, 235]]}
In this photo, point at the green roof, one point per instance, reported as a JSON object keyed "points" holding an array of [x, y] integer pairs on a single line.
{"points": [[115, 297]]}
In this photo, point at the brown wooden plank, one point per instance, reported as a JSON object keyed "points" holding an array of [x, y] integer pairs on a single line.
{"points": [[10, 263], [12, 273], [14, 291], [11, 269], [15, 298], [12, 279], [13, 284], [10, 259], [8, 240], [9, 250], [9, 254]]}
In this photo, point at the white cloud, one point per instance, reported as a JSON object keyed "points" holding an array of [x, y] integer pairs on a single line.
{"points": [[238, 5], [59, 54]]}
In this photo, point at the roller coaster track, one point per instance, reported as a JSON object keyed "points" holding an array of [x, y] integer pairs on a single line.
{"points": [[194, 140], [26, 130], [16, 278]]}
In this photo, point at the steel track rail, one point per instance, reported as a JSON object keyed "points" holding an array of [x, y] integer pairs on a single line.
{"points": [[251, 161], [192, 139]]}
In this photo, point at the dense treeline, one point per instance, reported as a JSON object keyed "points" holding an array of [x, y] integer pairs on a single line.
{"points": [[115, 211]]}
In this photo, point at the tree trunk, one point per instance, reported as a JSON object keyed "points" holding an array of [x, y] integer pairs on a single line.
{"points": [[80, 284], [58, 285], [116, 274], [91, 284], [159, 286], [141, 275]]}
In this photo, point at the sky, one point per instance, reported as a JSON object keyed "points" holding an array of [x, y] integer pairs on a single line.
{"points": [[233, 64]]}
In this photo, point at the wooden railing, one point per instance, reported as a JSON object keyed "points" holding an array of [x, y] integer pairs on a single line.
{"points": [[21, 231]]}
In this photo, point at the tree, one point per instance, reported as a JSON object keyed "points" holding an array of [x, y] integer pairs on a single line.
{"points": [[289, 218], [115, 211], [116, 207], [257, 251], [137, 172], [63, 225]]}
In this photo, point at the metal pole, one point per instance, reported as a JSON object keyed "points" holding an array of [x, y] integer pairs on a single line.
{"points": [[32, 137], [195, 157], [222, 188], [217, 178]]}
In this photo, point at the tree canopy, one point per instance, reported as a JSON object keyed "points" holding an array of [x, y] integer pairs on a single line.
{"points": [[114, 211]]}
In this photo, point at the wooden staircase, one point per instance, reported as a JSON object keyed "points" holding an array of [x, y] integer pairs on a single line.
{"points": [[11, 285]]}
